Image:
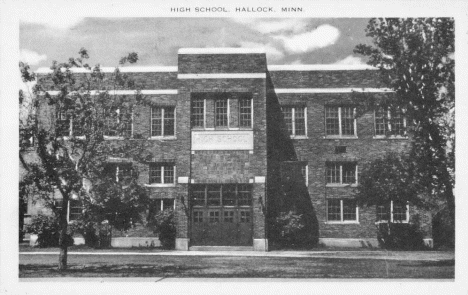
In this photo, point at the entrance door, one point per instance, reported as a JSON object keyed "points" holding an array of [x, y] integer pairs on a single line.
{"points": [[221, 214]]}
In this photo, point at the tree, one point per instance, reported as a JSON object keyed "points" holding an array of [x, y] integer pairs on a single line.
{"points": [[71, 128], [415, 57]]}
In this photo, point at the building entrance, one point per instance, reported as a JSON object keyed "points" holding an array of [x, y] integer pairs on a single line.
{"points": [[221, 214]]}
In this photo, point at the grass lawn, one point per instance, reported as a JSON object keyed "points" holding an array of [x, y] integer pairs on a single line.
{"points": [[232, 267]]}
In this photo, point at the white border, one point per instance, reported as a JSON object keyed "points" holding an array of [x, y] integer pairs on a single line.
{"points": [[123, 92], [331, 90], [157, 69], [319, 67]]}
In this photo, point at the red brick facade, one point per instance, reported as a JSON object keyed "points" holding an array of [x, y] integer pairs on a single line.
{"points": [[217, 73]]}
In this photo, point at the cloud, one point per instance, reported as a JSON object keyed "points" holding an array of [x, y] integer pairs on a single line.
{"points": [[350, 60], [268, 26], [323, 36], [31, 57], [272, 53], [55, 16]]}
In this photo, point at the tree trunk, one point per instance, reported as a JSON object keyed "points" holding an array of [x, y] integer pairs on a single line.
{"points": [[63, 241]]}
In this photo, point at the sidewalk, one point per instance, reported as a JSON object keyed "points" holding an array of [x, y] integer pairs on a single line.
{"points": [[381, 255]]}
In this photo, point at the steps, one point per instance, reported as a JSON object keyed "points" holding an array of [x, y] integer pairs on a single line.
{"points": [[221, 248]]}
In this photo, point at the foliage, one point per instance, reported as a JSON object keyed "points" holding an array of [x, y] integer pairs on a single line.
{"points": [[163, 224], [76, 162], [96, 235], [400, 236], [289, 227], [443, 230], [47, 229], [415, 57]]}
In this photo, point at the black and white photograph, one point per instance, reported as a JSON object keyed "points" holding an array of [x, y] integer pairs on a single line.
{"points": [[250, 143]]}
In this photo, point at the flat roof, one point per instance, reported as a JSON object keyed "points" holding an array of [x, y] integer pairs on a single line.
{"points": [[320, 67], [149, 69], [221, 50]]}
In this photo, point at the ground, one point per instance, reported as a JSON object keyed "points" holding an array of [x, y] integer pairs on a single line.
{"points": [[276, 264]]}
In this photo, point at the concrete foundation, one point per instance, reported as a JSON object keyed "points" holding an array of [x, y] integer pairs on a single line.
{"points": [[182, 244], [260, 245], [352, 243]]}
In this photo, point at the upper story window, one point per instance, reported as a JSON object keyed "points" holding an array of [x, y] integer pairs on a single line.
{"points": [[161, 174], [226, 112], [75, 209], [295, 119], [123, 172], [221, 195], [119, 123], [389, 122], [342, 210], [221, 113], [162, 121], [393, 212], [66, 125], [340, 121], [341, 173]]}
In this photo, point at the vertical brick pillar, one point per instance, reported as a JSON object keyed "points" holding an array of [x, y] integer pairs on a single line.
{"points": [[181, 215], [260, 241]]}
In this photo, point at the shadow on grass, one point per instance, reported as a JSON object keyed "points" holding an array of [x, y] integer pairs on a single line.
{"points": [[450, 262]]}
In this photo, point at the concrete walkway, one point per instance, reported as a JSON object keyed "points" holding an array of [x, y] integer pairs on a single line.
{"points": [[382, 255]]}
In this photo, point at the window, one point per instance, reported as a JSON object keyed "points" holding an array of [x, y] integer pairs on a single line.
{"points": [[340, 121], [305, 173], [122, 172], [214, 216], [67, 126], [221, 113], [197, 216], [162, 173], [244, 216], [295, 119], [119, 123], [198, 113], [389, 122], [342, 210], [227, 195], [245, 113], [224, 110], [341, 173], [397, 211], [74, 208], [162, 121]]}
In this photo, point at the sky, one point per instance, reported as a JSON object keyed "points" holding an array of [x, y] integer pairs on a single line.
{"points": [[156, 40]]}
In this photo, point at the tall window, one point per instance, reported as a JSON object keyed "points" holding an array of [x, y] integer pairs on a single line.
{"points": [[75, 209], [67, 125], [393, 212], [160, 173], [162, 121], [198, 113], [391, 122], [341, 173], [295, 119], [221, 113], [119, 123], [342, 210], [245, 113], [121, 172], [340, 121]]}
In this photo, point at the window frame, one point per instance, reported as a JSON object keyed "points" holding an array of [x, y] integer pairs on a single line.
{"points": [[340, 122], [120, 136], [161, 166], [69, 117], [388, 124], [292, 133], [342, 221], [391, 212], [69, 219], [162, 121], [305, 173], [240, 191], [341, 184]]}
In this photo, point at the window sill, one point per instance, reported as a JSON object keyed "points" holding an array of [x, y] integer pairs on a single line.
{"points": [[342, 222], [299, 137], [72, 137], [223, 129], [113, 137], [340, 185], [385, 221], [161, 185], [340, 137], [162, 138], [390, 137]]}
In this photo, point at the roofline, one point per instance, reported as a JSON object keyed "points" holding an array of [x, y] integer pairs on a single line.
{"points": [[154, 69], [320, 67], [221, 50]]}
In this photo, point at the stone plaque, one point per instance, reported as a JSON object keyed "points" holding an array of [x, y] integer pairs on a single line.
{"points": [[222, 140]]}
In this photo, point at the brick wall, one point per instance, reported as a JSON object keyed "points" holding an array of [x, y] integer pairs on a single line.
{"points": [[222, 63]]}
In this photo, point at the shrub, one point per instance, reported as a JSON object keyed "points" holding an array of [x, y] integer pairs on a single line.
{"points": [[163, 224], [400, 236], [289, 228], [95, 235], [47, 229]]}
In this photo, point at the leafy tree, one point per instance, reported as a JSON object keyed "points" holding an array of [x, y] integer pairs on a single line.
{"points": [[71, 158], [415, 57]]}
